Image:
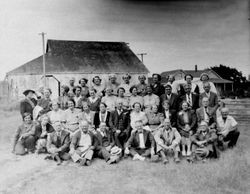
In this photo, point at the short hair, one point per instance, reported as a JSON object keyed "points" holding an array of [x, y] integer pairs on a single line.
{"points": [[133, 106], [184, 101], [206, 84], [126, 75], [93, 80], [142, 76], [185, 85], [120, 88], [27, 114], [74, 89], [50, 91], [72, 100], [167, 86], [138, 121], [131, 89], [185, 77], [102, 103], [158, 76], [165, 102], [204, 74], [108, 88], [225, 109], [92, 89], [86, 80], [149, 85], [66, 88]]}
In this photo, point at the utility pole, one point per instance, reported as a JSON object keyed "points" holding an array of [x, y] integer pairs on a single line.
{"points": [[44, 66], [142, 54]]}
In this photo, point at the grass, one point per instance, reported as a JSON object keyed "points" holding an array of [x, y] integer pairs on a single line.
{"points": [[31, 174]]}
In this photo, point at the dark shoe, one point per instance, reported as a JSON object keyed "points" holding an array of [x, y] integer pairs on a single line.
{"points": [[165, 161], [48, 158], [83, 162]]}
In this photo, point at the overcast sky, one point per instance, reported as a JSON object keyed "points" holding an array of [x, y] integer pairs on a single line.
{"points": [[174, 34]]}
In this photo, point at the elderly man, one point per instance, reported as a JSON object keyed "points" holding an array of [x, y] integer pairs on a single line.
{"points": [[83, 144], [171, 97], [203, 143], [227, 129], [168, 140], [58, 144], [205, 113], [141, 143], [191, 98], [212, 97]]}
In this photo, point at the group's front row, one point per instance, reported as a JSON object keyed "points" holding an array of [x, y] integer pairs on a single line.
{"points": [[141, 143]]}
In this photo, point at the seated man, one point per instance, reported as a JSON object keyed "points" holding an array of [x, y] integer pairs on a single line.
{"points": [[206, 114], [105, 147], [168, 140], [203, 143], [58, 144], [227, 129], [119, 123], [141, 143], [83, 144]]}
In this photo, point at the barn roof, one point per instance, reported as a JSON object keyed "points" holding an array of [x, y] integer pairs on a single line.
{"points": [[63, 56]]}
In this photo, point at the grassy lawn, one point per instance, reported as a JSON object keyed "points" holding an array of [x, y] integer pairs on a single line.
{"points": [[32, 174]]}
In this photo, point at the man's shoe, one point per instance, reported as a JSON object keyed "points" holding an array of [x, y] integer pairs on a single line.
{"points": [[177, 160], [82, 161], [88, 163], [165, 161]]}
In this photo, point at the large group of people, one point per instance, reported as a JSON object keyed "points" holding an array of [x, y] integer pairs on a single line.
{"points": [[112, 121]]}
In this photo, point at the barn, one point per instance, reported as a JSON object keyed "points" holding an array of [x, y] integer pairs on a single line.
{"points": [[66, 59]]}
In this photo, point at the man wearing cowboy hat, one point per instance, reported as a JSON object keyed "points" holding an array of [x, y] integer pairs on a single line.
{"points": [[29, 103]]}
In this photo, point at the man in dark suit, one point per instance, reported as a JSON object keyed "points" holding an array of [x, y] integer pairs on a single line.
{"points": [[119, 123], [83, 144], [58, 143], [105, 145], [212, 97], [102, 116], [191, 98], [141, 143], [171, 97], [158, 88], [206, 114], [169, 114]]}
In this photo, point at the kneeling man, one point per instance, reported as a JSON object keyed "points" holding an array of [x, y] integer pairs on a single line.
{"points": [[141, 143], [168, 140], [227, 129], [58, 143], [83, 144]]}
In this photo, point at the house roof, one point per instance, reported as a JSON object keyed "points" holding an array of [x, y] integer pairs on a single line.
{"points": [[197, 74], [63, 56]]}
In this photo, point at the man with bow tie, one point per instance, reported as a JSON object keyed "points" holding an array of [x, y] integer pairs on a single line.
{"points": [[141, 143], [58, 144]]}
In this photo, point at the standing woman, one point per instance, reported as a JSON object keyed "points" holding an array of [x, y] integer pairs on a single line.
{"points": [[28, 104], [24, 138], [45, 102], [203, 79], [135, 97], [64, 97], [93, 100], [98, 86], [85, 89]]}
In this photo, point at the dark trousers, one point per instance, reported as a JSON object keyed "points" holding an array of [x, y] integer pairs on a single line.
{"points": [[62, 155], [143, 152], [120, 139], [232, 138], [29, 143], [103, 153]]}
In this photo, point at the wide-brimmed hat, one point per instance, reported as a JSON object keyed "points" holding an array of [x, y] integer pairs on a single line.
{"points": [[115, 150], [27, 91]]}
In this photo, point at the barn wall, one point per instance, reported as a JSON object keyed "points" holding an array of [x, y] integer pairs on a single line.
{"points": [[19, 83]]}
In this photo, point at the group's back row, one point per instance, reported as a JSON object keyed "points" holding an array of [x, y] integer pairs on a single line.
{"points": [[126, 108]]}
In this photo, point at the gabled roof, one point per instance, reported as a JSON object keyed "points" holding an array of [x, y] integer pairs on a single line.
{"points": [[63, 56]]}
